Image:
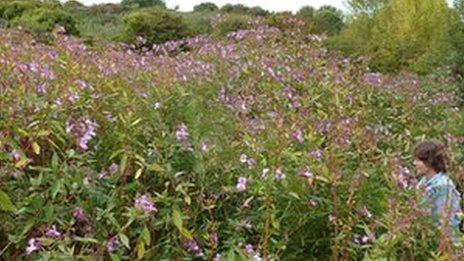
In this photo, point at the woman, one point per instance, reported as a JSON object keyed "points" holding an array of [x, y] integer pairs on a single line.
{"points": [[441, 197]]}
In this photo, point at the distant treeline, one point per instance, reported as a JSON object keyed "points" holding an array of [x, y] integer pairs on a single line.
{"points": [[395, 35]]}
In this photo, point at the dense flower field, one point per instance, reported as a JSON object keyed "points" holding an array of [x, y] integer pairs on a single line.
{"points": [[263, 146]]}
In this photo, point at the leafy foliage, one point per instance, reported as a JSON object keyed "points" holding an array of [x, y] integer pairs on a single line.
{"points": [[261, 145], [396, 38], [206, 7], [156, 26], [44, 20], [134, 4], [251, 141]]}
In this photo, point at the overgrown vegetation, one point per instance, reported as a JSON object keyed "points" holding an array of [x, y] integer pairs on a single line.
{"points": [[226, 133]]}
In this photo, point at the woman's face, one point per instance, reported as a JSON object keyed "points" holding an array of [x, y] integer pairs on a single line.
{"points": [[421, 168]]}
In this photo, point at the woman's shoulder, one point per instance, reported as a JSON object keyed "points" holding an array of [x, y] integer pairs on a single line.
{"points": [[441, 180]]}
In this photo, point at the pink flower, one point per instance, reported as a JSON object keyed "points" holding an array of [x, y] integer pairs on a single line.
{"points": [[243, 158], [245, 224], [298, 136], [112, 243], [242, 184], [73, 97], [332, 218], [33, 245], [102, 174], [182, 136], [358, 239], [42, 88], [313, 203], [205, 146], [143, 203], [113, 168], [51, 232], [193, 247], [364, 212], [83, 85], [79, 214], [16, 156], [214, 238], [82, 129], [251, 163], [249, 249], [182, 133], [305, 174], [316, 154], [264, 172], [279, 175]]}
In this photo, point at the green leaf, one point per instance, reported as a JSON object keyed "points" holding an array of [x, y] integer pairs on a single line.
{"points": [[140, 249], [123, 163], [5, 202], [155, 167], [21, 163], [124, 240], [114, 257], [293, 194], [136, 122], [138, 173], [323, 179], [86, 240], [231, 255], [56, 188], [177, 220], [54, 162], [146, 236], [36, 148]]}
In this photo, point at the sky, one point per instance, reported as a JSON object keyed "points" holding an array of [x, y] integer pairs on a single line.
{"points": [[272, 5]]}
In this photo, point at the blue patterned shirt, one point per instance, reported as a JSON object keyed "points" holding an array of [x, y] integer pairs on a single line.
{"points": [[443, 198]]}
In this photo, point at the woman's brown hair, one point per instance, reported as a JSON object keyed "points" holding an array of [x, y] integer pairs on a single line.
{"points": [[433, 154]]}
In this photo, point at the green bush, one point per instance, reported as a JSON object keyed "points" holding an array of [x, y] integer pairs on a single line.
{"points": [[353, 39], [43, 20], [106, 9], [286, 21], [306, 13], [15, 9], [237, 9], [244, 10], [199, 22], [205, 7], [73, 5], [229, 23], [328, 19], [401, 35], [133, 4], [155, 26], [258, 11]]}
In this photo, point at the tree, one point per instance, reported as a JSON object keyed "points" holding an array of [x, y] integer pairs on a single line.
{"points": [[306, 13], [411, 34], [206, 7], [459, 6], [238, 9], [133, 4], [328, 19], [369, 7], [72, 5], [258, 11]]}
